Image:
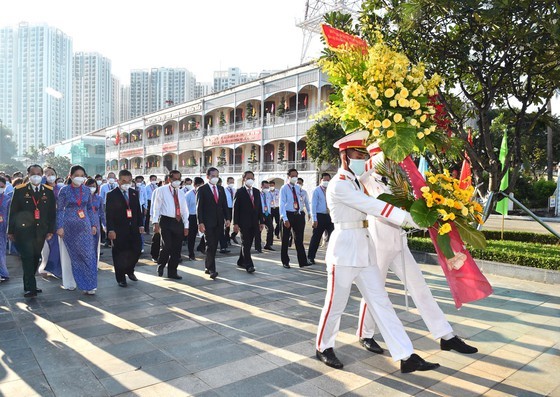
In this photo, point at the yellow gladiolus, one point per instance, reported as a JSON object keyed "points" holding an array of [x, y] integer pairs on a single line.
{"points": [[389, 92], [390, 133], [386, 123], [444, 229], [397, 117]]}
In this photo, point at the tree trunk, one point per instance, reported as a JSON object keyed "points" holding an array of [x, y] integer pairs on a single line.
{"points": [[549, 151]]}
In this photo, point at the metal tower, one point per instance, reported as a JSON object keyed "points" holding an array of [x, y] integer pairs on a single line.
{"points": [[315, 11]]}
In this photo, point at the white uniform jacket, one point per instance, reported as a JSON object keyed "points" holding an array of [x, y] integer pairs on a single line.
{"points": [[380, 228], [348, 204]]}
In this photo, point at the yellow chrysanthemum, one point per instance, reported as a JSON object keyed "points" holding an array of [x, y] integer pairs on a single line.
{"points": [[389, 92], [375, 132], [397, 117], [465, 211], [444, 229], [413, 122], [386, 123], [390, 133], [377, 123], [404, 93], [393, 103], [423, 118], [420, 135], [425, 189], [378, 102]]}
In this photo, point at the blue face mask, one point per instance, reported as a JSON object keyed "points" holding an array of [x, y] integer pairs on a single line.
{"points": [[357, 166]]}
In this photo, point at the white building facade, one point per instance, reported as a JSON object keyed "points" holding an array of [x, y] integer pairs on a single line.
{"points": [[92, 88], [36, 84], [234, 130]]}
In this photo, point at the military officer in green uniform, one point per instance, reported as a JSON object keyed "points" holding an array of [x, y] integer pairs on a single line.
{"points": [[32, 219]]}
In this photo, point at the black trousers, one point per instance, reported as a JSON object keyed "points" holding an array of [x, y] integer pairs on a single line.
{"points": [[172, 233], [193, 231], [147, 221], [212, 235], [297, 225], [275, 212], [126, 252], [29, 246], [156, 246], [324, 224], [247, 235], [229, 235], [269, 233]]}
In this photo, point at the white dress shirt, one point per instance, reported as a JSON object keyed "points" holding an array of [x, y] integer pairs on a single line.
{"points": [[163, 204]]}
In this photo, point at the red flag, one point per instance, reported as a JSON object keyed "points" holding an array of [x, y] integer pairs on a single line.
{"points": [[466, 283], [335, 38], [118, 138], [466, 174]]}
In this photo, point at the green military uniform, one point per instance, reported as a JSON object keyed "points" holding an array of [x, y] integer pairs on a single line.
{"points": [[32, 216]]}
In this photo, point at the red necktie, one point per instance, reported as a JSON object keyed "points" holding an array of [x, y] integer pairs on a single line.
{"points": [[177, 206], [250, 191], [296, 202], [215, 194]]}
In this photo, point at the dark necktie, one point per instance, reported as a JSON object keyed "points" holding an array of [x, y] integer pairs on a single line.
{"points": [[296, 202]]}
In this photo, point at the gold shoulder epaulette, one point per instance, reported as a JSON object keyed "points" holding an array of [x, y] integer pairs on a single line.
{"points": [[21, 186], [48, 187]]}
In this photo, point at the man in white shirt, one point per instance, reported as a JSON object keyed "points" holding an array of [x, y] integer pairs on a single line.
{"points": [[230, 195], [103, 190], [170, 217]]}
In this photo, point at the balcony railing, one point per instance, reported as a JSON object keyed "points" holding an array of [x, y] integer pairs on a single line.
{"points": [[132, 145], [190, 170], [156, 170], [268, 167], [170, 138]]}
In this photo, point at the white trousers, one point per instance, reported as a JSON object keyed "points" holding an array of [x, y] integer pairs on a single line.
{"points": [[45, 252], [419, 291], [371, 286], [68, 281]]}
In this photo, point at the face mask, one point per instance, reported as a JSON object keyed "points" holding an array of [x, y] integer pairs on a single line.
{"points": [[189, 187], [60, 184], [231, 185], [357, 166], [78, 180], [98, 183], [266, 190], [51, 178], [153, 182], [214, 180], [2, 190], [249, 182], [272, 188], [92, 189], [111, 180], [325, 184], [126, 186], [293, 180], [176, 184], [35, 179]]}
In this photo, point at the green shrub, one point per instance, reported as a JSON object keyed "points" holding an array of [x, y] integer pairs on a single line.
{"points": [[515, 253], [534, 194], [509, 235]]}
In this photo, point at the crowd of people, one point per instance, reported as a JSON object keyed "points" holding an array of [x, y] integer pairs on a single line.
{"points": [[57, 225]]}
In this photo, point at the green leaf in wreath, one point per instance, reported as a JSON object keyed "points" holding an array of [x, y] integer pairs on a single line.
{"points": [[396, 201], [422, 215], [470, 235], [444, 244], [350, 125], [400, 145]]}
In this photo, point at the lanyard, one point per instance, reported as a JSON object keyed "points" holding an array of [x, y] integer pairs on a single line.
{"points": [[36, 202], [78, 200]]}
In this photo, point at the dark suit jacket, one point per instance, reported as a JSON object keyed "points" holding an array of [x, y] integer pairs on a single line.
{"points": [[209, 212], [115, 212], [244, 214], [22, 220]]}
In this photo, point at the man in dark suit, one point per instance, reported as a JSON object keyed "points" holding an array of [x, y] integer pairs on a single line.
{"points": [[32, 219], [247, 217], [211, 211], [125, 224]]}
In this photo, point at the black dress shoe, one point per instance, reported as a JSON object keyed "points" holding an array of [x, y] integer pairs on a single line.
{"points": [[133, 277], [329, 358], [154, 260], [30, 294], [213, 275], [242, 266], [306, 264], [160, 274], [416, 363], [286, 265], [206, 271], [268, 248], [311, 261], [250, 269], [201, 249], [371, 345], [458, 345], [224, 251], [123, 284], [175, 277], [192, 257], [160, 270], [39, 290], [259, 251]]}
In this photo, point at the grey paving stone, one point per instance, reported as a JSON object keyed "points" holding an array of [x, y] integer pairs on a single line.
{"points": [[75, 382]]}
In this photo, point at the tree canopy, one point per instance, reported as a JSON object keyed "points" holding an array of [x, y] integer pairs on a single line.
{"points": [[320, 139]]}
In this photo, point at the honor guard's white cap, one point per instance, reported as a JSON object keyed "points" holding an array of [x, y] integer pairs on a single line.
{"points": [[356, 140], [374, 149]]}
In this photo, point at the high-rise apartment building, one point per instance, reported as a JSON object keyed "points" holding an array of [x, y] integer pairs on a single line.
{"points": [[115, 100], [124, 110], [224, 79], [203, 89], [139, 92], [92, 93], [36, 84]]}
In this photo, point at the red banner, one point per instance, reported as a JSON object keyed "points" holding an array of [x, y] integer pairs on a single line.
{"points": [[335, 38], [236, 137], [132, 152]]}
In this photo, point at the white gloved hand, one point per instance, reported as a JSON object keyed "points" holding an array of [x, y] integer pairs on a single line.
{"points": [[409, 222]]}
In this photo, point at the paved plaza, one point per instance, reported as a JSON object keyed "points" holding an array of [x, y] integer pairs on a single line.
{"points": [[253, 335]]}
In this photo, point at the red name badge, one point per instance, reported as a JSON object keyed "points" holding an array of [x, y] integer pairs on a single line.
{"points": [[129, 213], [81, 214], [37, 214], [1, 219]]}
